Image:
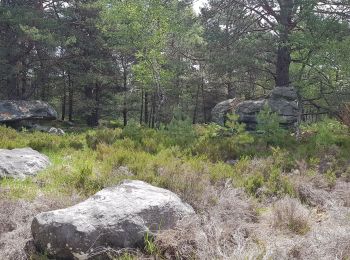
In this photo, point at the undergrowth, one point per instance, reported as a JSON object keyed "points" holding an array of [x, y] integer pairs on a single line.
{"points": [[183, 158]]}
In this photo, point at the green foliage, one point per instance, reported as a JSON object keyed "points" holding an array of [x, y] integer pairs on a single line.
{"points": [[331, 178], [253, 183], [180, 133], [87, 162], [328, 132], [269, 127], [150, 246], [124, 256], [265, 177], [102, 136], [222, 143]]}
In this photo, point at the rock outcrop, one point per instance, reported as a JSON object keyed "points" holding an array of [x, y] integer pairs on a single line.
{"points": [[218, 113], [116, 217], [21, 163], [248, 110], [282, 100], [18, 110]]}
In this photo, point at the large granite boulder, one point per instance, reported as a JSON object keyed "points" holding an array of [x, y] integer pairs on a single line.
{"points": [[218, 113], [21, 163], [116, 217], [282, 100], [247, 112], [18, 110]]}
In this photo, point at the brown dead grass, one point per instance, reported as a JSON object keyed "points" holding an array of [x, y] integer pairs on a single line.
{"points": [[15, 220], [221, 232], [227, 228], [289, 214]]}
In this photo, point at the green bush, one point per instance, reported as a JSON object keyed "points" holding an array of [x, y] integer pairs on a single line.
{"points": [[41, 141], [179, 133], [327, 132], [102, 136], [267, 174], [269, 128], [223, 143], [253, 183]]}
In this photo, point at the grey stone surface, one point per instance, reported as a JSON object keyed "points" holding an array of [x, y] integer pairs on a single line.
{"points": [[248, 110], [282, 100], [16, 110], [21, 163], [287, 93], [116, 217], [56, 131], [219, 112]]}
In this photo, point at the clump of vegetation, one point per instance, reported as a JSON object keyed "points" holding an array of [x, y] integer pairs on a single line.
{"points": [[289, 214], [102, 136], [269, 128], [88, 162], [223, 143]]}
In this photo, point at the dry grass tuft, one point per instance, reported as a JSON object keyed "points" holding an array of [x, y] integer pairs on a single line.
{"points": [[222, 231], [16, 217], [310, 195], [288, 213]]}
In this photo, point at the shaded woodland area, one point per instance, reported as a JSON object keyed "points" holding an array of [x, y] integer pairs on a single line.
{"points": [[150, 60]]}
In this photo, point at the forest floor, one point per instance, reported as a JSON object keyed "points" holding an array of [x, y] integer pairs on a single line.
{"points": [[255, 197]]}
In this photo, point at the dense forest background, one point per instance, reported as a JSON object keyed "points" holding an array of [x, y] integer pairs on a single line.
{"points": [[152, 60]]}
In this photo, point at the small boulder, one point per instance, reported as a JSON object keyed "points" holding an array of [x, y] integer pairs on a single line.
{"points": [[46, 129], [21, 163], [56, 131], [116, 217]]}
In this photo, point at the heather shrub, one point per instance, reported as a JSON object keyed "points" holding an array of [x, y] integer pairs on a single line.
{"points": [[223, 143], [104, 135], [289, 214]]}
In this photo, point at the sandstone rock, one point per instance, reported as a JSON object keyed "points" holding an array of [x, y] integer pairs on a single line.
{"points": [[219, 112], [287, 93], [46, 129], [282, 100], [17, 110], [248, 110], [56, 131], [21, 163], [116, 217]]}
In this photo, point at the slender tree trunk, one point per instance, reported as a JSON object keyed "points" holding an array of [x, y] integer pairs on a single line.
{"points": [[141, 108], [64, 98], [125, 88], [95, 115], [146, 109], [282, 67], [231, 90], [153, 110], [195, 112], [203, 102], [97, 104], [70, 98]]}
